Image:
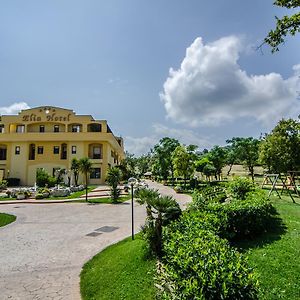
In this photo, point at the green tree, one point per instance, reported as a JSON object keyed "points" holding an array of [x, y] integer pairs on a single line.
{"points": [[217, 156], [247, 150], [128, 166], [279, 150], [75, 169], [143, 164], [183, 163], [285, 25], [162, 157], [113, 178], [85, 166]]}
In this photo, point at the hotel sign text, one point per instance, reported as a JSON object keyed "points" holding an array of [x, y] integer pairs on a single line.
{"points": [[53, 117]]}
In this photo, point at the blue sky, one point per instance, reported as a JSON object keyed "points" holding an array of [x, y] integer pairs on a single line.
{"points": [[112, 59]]}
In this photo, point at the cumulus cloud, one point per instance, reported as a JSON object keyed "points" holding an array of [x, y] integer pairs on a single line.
{"points": [[143, 145], [210, 88], [13, 108]]}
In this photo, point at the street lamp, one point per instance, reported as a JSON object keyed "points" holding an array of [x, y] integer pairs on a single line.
{"points": [[132, 182]]}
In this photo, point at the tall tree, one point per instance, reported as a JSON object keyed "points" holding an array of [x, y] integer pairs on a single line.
{"points": [[183, 162], [248, 152], [285, 25], [75, 169], [85, 166], [279, 150], [217, 155], [128, 166], [162, 157]]}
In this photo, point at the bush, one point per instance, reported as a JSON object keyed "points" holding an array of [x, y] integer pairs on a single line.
{"points": [[3, 185], [200, 265], [245, 218], [39, 196], [44, 179], [240, 187]]}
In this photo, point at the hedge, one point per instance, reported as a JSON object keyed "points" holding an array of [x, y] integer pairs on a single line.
{"points": [[200, 265]]}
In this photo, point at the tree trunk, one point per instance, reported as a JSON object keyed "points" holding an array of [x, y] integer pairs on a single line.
{"points": [[230, 167], [86, 188]]}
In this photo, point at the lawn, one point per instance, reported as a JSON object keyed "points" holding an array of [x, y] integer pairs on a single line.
{"points": [[276, 255], [121, 271], [6, 219]]}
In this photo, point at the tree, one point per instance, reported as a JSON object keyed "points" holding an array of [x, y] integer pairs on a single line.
{"points": [[217, 155], [285, 25], [128, 166], [247, 150], [143, 164], [279, 150], [113, 178], [85, 166], [162, 157], [75, 169], [232, 155], [161, 210], [183, 163]]}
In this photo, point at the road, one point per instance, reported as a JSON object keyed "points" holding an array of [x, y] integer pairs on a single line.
{"points": [[42, 253]]}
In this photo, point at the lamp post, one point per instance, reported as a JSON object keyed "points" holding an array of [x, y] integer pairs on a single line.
{"points": [[132, 181]]}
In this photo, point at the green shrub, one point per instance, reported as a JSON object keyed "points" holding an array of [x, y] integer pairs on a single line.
{"points": [[44, 179], [200, 265], [240, 187], [245, 218], [3, 185], [39, 196]]}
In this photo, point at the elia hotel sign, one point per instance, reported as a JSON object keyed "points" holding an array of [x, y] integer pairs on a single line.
{"points": [[47, 115]]}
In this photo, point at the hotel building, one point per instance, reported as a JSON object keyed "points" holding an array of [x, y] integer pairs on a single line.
{"points": [[50, 137]]}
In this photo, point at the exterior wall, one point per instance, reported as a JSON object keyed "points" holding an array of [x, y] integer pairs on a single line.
{"points": [[20, 166]]}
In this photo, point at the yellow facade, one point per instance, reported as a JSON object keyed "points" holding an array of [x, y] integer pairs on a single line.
{"points": [[50, 137]]}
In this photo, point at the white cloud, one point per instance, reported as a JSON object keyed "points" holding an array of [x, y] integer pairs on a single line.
{"points": [[13, 108], [143, 145], [210, 88]]}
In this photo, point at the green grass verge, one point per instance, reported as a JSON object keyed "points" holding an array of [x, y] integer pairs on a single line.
{"points": [[107, 200], [276, 255], [119, 272], [6, 219]]}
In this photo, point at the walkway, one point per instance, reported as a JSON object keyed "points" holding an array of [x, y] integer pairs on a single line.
{"points": [[42, 253]]}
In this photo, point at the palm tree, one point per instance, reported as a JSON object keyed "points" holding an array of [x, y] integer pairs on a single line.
{"points": [[113, 178], [75, 169], [85, 166], [161, 210]]}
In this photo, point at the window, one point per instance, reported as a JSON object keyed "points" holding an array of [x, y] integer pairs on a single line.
{"points": [[40, 150], [75, 128], [17, 150], [42, 128], [56, 128], [1, 128], [20, 129], [56, 150], [32, 152], [2, 153], [96, 152], [95, 173], [73, 149]]}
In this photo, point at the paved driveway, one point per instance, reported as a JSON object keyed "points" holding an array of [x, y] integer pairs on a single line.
{"points": [[42, 253]]}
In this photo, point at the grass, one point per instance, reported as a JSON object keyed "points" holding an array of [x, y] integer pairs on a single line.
{"points": [[275, 255], [107, 200], [121, 271], [6, 219]]}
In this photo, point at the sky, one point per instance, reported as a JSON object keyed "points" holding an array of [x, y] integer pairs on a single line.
{"points": [[184, 69]]}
